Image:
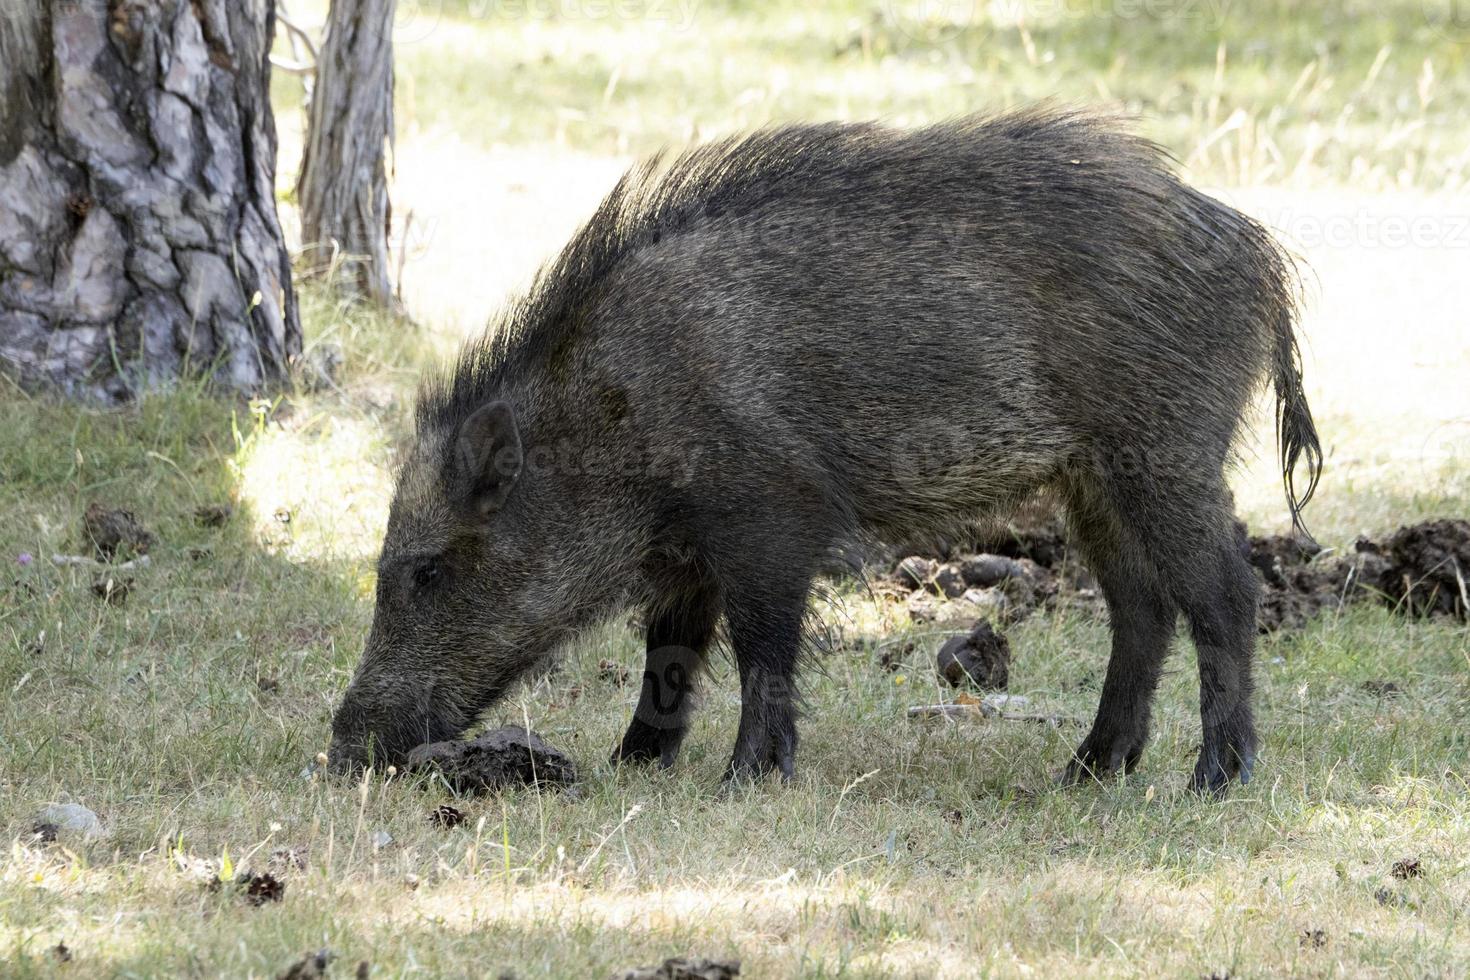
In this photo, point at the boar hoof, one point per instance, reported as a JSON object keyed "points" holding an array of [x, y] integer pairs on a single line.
{"points": [[1102, 755], [745, 769], [1224, 756], [644, 743]]}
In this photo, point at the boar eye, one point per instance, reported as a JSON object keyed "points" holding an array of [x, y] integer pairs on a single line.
{"points": [[427, 574]]}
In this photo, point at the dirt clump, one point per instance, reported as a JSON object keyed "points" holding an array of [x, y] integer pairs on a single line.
{"points": [[114, 533], [496, 760], [1004, 572], [612, 672], [213, 515], [113, 591], [446, 816], [1313, 939], [309, 967], [980, 658], [1407, 868], [1421, 570], [262, 887], [1428, 567], [686, 968], [1041, 538]]}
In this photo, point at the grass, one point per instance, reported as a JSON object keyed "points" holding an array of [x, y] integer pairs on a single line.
{"points": [[185, 717]]}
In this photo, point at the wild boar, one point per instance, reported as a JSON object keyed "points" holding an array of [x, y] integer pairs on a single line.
{"points": [[766, 351]]}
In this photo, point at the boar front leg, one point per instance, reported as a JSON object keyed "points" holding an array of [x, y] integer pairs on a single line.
{"points": [[677, 640]]}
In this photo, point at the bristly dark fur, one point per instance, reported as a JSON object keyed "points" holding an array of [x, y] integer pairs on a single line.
{"points": [[762, 350], [662, 196]]}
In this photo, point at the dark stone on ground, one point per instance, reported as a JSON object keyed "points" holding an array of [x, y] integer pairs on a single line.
{"points": [[498, 759], [948, 582], [984, 571], [980, 658], [914, 572]]}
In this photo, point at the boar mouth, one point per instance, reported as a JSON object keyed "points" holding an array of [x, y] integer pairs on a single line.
{"points": [[387, 738]]}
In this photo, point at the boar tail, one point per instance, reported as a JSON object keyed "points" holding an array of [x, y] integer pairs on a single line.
{"points": [[1296, 433]]}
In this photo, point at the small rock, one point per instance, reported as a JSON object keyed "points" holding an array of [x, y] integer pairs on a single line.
{"points": [[682, 968], [993, 601], [985, 571], [948, 582], [498, 759], [72, 818], [915, 571], [981, 658], [381, 839]]}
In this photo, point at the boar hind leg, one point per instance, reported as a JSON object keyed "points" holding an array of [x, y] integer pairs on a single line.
{"points": [[677, 640], [766, 633], [1219, 600], [1142, 618], [1189, 553]]}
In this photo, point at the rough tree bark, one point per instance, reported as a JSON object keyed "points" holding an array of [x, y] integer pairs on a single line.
{"points": [[139, 239], [345, 211]]}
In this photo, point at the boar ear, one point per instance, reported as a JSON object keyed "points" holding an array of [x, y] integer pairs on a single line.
{"points": [[488, 450]]}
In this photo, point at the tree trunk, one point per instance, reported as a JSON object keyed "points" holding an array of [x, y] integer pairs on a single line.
{"points": [[345, 213], [139, 239]]}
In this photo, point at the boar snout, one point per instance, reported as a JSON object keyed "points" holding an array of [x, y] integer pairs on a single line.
{"points": [[378, 726]]}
